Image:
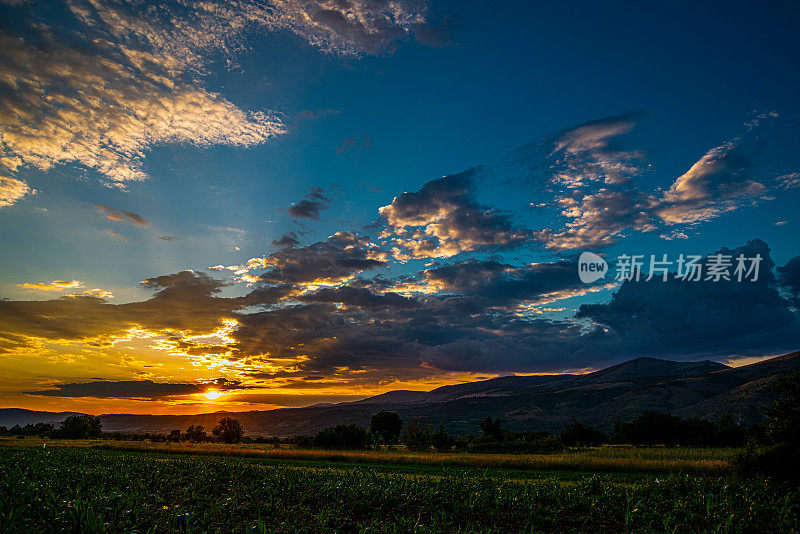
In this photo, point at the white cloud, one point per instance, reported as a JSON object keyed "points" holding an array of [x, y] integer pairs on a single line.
{"points": [[12, 190], [719, 182], [130, 77]]}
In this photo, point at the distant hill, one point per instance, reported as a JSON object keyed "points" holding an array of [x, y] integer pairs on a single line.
{"points": [[10, 417], [704, 389]]}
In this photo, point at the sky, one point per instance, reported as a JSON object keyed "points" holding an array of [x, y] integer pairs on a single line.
{"points": [[259, 204]]}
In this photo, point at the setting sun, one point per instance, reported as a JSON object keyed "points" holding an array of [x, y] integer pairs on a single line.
{"points": [[212, 394]]}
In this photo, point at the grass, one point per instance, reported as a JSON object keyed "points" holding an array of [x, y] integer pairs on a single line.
{"points": [[615, 459], [87, 489]]}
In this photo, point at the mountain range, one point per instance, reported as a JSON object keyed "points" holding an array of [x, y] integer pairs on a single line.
{"points": [[703, 389]]}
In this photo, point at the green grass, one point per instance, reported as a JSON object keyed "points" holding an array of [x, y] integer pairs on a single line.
{"points": [[85, 489]]}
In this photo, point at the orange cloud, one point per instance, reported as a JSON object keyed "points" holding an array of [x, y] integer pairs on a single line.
{"points": [[55, 285]]}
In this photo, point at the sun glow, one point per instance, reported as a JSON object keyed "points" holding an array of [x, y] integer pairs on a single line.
{"points": [[212, 394]]}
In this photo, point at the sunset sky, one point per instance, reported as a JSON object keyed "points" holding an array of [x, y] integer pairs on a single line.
{"points": [[287, 202]]}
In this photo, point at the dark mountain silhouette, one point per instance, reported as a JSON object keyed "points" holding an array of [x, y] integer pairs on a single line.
{"points": [[9, 417], [703, 389]]}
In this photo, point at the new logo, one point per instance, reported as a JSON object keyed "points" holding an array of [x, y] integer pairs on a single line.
{"points": [[591, 267]]}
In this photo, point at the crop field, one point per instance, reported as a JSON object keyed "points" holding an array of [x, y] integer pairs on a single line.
{"points": [[90, 489], [616, 459]]}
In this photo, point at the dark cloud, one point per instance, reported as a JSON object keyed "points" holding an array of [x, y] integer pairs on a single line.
{"points": [[684, 317], [135, 389], [501, 283], [473, 316], [287, 240], [309, 207], [306, 209], [121, 215], [168, 238], [789, 277], [360, 297], [340, 257]]}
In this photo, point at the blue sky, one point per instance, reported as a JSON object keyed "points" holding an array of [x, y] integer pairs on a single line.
{"points": [[145, 140]]}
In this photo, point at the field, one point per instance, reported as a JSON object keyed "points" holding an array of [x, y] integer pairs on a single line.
{"points": [[108, 486]]}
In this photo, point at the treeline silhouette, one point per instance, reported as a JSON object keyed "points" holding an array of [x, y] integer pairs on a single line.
{"points": [[388, 429]]}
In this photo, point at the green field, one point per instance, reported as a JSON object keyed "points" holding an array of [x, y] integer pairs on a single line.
{"points": [[91, 487]]}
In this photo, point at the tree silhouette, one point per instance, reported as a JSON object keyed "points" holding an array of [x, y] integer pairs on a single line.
{"points": [[387, 426], [80, 427], [418, 435], [196, 434], [228, 430], [493, 428]]}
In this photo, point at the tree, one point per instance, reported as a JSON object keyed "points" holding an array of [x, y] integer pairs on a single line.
{"points": [[418, 435], [228, 430], [579, 435], [80, 427], [342, 437], [387, 426], [174, 436], [776, 454], [442, 440], [196, 434], [493, 428], [784, 412]]}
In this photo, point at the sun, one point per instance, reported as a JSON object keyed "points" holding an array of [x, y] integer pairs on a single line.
{"points": [[212, 394]]}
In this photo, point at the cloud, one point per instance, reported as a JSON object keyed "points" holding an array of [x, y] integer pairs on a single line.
{"points": [[287, 240], [121, 215], [167, 238], [597, 220], [309, 207], [94, 292], [789, 181], [359, 144], [55, 285], [12, 190], [312, 314], [134, 389], [110, 80], [114, 235], [306, 209], [442, 220], [720, 181], [310, 115], [339, 258], [789, 277], [587, 153], [591, 178], [681, 317]]}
